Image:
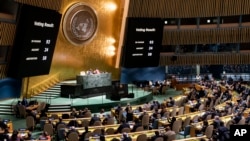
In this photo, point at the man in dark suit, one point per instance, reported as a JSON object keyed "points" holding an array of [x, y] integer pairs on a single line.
{"points": [[237, 118], [157, 134], [60, 122], [122, 125], [137, 124], [223, 132], [82, 136], [72, 129], [25, 102], [94, 119]]}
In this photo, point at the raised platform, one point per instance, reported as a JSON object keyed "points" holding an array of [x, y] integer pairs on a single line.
{"points": [[98, 102], [94, 103]]}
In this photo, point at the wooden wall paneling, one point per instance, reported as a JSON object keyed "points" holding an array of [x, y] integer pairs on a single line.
{"points": [[219, 59], [3, 71], [216, 7], [198, 59], [225, 8], [245, 38], [213, 37], [146, 7], [183, 61], [177, 9], [245, 9], [191, 8], [225, 35], [172, 38], [243, 34], [213, 9], [50, 4], [245, 60], [238, 6], [239, 58], [174, 9], [131, 8], [186, 60], [248, 35], [7, 33], [231, 8], [228, 35], [236, 59], [235, 37], [177, 39], [160, 9], [213, 57], [168, 8], [168, 38], [206, 59], [186, 36]]}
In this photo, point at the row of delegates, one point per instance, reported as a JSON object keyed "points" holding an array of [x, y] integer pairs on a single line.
{"points": [[86, 130], [16, 136], [168, 132]]}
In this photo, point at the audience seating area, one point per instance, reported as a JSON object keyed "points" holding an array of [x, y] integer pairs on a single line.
{"points": [[198, 113]]}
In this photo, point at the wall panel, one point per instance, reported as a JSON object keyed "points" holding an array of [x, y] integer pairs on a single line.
{"points": [[50, 4], [205, 59], [204, 36], [188, 8]]}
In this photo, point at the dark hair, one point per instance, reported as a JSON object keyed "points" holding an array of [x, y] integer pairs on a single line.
{"points": [[86, 128], [102, 131], [221, 123], [14, 135], [205, 122]]}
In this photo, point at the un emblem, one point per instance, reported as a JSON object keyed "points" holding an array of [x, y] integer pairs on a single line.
{"points": [[79, 24]]}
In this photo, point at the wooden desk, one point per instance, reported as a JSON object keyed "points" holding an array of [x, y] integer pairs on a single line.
{"points": [[66, 121], [198, 125], [58, 113], [133, 135], [124, 107], [246, 112], [188, 105], [193, 139], [164, 122], [92, 128]]}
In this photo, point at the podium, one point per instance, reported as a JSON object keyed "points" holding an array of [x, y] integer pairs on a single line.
{"points": [[88, 86], [74, 90], [94, 80]]}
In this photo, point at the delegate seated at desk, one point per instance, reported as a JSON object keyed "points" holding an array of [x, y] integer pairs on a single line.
{"points": [[194, 106], [94, 119], [122, 125], [170, 102], [203, 128], [157, 135]]}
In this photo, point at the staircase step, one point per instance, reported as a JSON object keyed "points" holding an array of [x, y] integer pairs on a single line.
{"points": [[61, 107], [59, 110], [6, 113], [6, 109], [48, 94]]}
